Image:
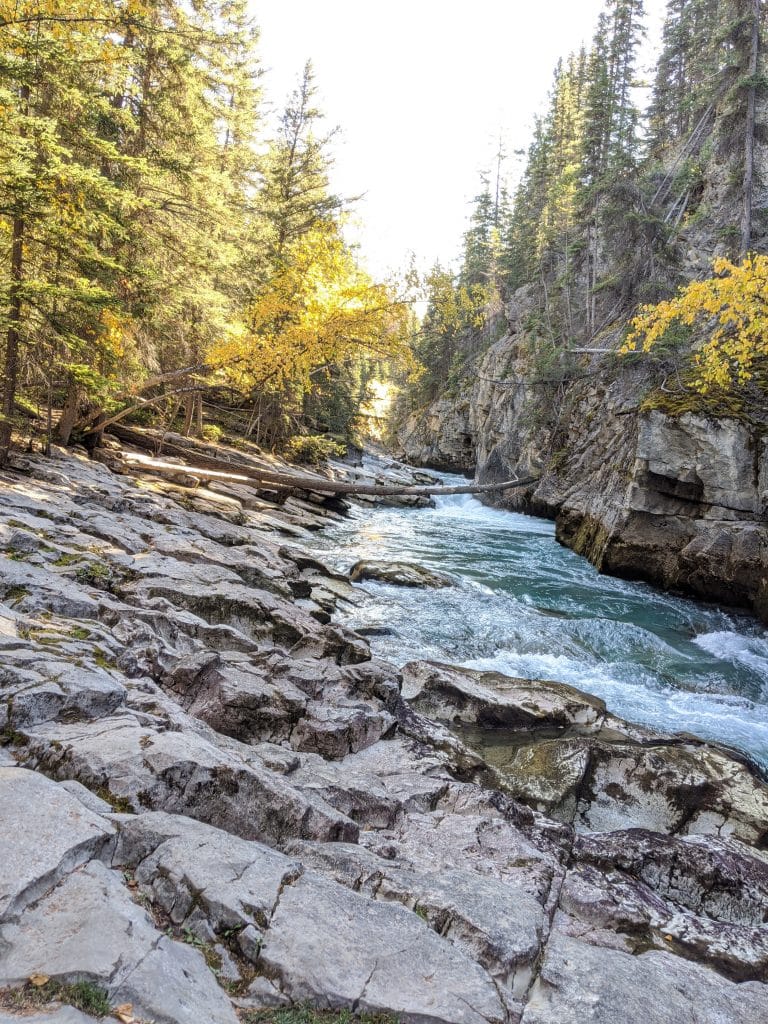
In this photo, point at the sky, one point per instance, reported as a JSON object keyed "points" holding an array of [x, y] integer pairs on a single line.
{"points": [[422, 90]]}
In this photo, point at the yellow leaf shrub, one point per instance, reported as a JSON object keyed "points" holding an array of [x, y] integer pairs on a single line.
{"points": [[731, 311]]}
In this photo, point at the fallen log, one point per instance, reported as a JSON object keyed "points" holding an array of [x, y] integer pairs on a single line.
{"points": [[158, 442], [320, 484], [211, 468]]}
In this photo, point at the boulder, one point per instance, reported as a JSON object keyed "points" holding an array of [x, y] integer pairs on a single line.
{"points": [[493, 700], [399, 574]]}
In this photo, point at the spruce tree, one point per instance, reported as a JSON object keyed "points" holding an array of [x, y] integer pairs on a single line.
{"points": [[478, 256], [59, 211], [295, 195]]}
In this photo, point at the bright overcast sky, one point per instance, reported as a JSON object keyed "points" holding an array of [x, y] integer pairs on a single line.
{"points": [[421, 90]]}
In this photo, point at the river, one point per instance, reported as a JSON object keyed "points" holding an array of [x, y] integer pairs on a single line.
{"points": [[528, 607]]}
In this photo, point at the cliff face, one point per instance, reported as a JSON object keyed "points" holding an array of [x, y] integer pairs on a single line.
{"points": [[679, 501]]}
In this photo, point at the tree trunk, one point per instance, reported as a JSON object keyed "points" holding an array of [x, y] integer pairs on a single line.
{"points": [[197, 463], [198, 400], [70, 412], [95, 437], [13, 337], [749, 155], [189, 408], [49, 413], [13, 340]]}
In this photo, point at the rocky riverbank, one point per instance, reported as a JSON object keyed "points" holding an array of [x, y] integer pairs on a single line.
{"points": [[679, 500], [214, 800]]}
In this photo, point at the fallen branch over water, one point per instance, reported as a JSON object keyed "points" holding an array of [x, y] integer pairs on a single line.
{"points": [[211, 468], [296, 481]]}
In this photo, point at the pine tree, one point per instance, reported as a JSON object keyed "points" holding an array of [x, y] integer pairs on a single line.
{"points": [[519, 258], [542, 229], [670, 92], [455, 314], [477, 262], [309, 312], [628, 32], [192, 99], [60, 213], [687, 82], [125, 188], [295, 196], [744, 24]]}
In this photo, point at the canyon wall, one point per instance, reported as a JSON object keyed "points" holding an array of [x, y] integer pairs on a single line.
{"points": [[677, 500]]}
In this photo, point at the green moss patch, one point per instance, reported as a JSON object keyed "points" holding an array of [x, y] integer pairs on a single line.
{"points": [[308, 1015], [83, 995]]}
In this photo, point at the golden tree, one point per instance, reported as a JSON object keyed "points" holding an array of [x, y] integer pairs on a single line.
{"points": [[318, 307], [729, 310]]}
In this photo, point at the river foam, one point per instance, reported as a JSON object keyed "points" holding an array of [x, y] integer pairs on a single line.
{"points": [[525, 606]]}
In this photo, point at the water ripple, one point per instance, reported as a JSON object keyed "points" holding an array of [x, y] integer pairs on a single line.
{"points": [[528, 607]]}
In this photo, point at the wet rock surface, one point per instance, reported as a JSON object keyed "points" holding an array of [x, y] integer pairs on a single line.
{"points": [[214, 799], [400, 574]]}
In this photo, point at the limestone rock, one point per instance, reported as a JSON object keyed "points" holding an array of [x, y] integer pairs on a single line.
{"points": [[88, 928], [678, 500], [185, 774], [188, 866], [365, 946], [492, 700], [438, 846], [579, 982], [61, 1015], [676, 788], [46, 834]]}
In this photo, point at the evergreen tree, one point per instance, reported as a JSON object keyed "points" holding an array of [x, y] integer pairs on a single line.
{"points": [[455, 314], [687, 81], [478, 257], [60, 216], [627, 34], [295, 195], [611, 145], [518, 258], [123, 188], [744, 25]]}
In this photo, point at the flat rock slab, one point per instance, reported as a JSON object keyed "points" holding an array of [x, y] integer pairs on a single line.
{"points": [[88, 928], [582, 983], [60, 1015], [498, 924], [316, 940], [46, 833], [336, 948], [188, 865]]}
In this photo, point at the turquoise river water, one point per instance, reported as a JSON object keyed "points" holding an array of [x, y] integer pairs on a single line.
{"points": [[526, 606]]}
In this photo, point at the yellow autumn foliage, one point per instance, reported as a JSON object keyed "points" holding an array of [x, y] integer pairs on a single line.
{"points": [[731, 311], [317, 307]]}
